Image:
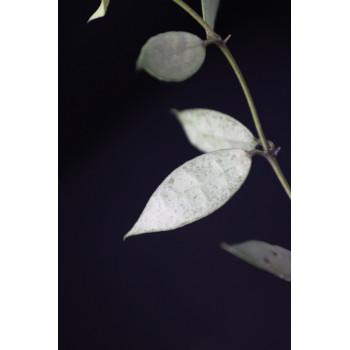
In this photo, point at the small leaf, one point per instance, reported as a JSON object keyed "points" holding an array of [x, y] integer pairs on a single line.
{"points": [[210, 130], [209, 10], [194, 190], [101, 11], [271, 258], [172, 56]]}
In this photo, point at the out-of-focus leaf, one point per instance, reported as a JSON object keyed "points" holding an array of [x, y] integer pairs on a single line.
{"points": [[209, 10], [172, 56], [194, 190], [101, 11], [271, 258], [210, 130]]}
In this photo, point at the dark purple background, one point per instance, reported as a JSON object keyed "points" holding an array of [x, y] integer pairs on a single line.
{"points": [[117, 142]]}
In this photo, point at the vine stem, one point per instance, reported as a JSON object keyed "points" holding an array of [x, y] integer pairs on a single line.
{"points": [[275, 166], [225, 50], [270, 157], [198, 18]]}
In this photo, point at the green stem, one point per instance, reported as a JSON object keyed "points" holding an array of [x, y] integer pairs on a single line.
{"points": [[265, 144], [275, 166], [225, 50], [198, 18]]}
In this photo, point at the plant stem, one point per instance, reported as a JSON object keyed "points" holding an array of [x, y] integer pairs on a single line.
{"points": [[275, 166], [225, 50], [198, 18], [265, 144]]}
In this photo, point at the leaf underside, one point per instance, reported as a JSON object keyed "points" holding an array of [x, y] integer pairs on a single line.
{"points": [[194, 190], [101, 11], [209, 10], [172, 56], [271, 258], [209, 130]]}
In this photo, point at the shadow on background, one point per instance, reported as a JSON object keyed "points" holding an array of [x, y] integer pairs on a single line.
{"points": [[117, 142]]}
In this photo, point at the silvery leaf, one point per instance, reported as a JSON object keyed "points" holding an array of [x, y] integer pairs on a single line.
{"points": [[210, 130], [271, 258], [172, 56], [194, 190], [209, 10], [101, 11]]}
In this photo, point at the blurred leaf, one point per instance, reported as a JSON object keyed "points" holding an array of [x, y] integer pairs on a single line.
{"points": [[210, 130], [101, 11], [172, 56], [209, 10], [194, 190], [271, 258]]}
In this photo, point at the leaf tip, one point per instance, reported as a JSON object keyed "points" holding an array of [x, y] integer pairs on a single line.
{"points": [[100, 12], [92, 17], [127, 235], [174, 112], [177, 114], [224, 245], [133, 232]]}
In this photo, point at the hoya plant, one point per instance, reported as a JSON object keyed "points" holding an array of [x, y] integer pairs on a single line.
{"points": [[202, 185]]}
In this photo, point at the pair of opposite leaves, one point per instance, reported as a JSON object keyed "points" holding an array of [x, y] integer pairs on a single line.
{"points": [[204, 184]]}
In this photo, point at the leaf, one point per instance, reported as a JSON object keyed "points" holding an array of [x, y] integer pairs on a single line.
{"points": [[101, 11], [271, 258], [210, 130], [172, 56], [194, 190], [209, 10]]}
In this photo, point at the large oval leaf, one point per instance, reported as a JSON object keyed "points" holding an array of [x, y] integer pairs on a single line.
{"points": [[194, 190], [210, 130], [210, 9], [172, 56], [101, 11], [271, 258]]}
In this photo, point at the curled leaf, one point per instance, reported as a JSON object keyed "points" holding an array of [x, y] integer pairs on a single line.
{"points": [[194, 190], [101, 11], [209, 10], [210, 130], [172, 56], [271, 258]]}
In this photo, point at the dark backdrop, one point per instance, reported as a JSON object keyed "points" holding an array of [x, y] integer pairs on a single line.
{"points": [[117, 142]]}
